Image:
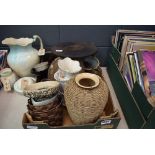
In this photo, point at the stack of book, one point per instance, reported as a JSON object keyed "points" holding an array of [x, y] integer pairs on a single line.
{"points": [[137, 61]]}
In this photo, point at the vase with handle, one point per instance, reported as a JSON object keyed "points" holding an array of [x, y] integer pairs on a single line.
{"points": [[22, 56]]}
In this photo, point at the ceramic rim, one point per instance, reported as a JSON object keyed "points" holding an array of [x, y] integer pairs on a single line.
{"points": [[95, 78]]}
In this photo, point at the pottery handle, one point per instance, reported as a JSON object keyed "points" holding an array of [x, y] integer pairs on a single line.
{"points": [[35, 37], [41, 50]]}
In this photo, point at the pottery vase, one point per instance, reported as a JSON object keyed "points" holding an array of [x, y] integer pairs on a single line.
{"points": [[86, 96], [22, 56], [67, 69]]}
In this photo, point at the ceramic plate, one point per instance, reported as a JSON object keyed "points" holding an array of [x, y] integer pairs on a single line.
{"points": [[18, 84]]}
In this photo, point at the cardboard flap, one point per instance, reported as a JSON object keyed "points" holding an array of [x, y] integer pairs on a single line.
{"points": [[142, 102], [132, 113]]}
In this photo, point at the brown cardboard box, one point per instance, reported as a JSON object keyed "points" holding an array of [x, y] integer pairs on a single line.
{"points": [[109, 119]]}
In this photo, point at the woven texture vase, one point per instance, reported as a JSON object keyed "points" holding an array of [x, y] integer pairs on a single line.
{"points": [[85, 105]]}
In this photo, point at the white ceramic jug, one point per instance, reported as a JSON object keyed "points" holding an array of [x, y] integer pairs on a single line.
{"points": [[22, 56]]}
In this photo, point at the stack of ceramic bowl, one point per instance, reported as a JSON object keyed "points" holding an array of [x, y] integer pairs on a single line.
{"points": [[44, 103]]}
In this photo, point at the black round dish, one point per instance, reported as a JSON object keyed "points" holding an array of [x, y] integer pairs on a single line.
{"points": [[74, 49]]}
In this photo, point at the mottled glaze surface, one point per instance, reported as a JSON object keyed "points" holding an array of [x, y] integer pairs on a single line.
{"points": [[41, 89]]}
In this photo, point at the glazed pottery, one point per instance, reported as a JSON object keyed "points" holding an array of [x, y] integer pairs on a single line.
{"points": [[53, 68], [43, 101], [85, 100], [59, 78], [76, 50], [87, 80], [22, 56], [90, 63], [41, 66], [41, 89], [40, 71], [69, 66], [6, 75], [22, 82]]}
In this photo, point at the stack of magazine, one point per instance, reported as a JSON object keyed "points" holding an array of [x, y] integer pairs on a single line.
{"points": [[137, 61]]}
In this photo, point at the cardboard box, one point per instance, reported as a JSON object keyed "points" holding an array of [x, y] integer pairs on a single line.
{"points": [[109, 119], [138, 112]]}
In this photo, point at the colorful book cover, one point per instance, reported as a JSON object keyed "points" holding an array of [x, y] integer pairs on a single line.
{"points": [[133, 46], [143, 73], [149, 61]]}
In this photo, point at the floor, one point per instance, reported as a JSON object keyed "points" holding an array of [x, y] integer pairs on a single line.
{"points": [[13, 106]]}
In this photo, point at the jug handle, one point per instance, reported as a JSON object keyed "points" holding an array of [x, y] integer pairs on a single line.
{"points": [[41, 50]]}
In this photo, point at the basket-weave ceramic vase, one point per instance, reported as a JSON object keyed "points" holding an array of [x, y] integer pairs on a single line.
{"points": [[85, 104]]}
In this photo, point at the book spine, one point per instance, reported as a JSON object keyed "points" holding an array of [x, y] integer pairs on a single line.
{"points": [[138, 71], [132, 68], [127, 74]]}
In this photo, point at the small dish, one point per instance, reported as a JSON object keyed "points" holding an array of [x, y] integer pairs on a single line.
{"points": [[87, 80], [19, 87], [41, 89]]}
